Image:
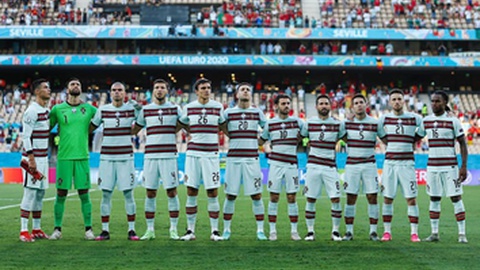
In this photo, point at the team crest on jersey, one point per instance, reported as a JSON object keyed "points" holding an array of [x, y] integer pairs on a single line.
{"points": [[59, 181], [99, 181], [83, 110]]}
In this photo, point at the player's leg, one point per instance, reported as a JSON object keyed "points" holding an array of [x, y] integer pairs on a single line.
{"points": [[389, 190], [169, 175], [454, 190], [351, 186], [192, 182], [63, 183], [370, 184], [125, 175], [83, 184], [233, 178], [252, 184], [291, 186], [151, 182], [312, 191], [25, 208], [332, 186], [211, 181], [408, 183], [131, 209], [275, 176], [434, 190], [105, 210], [37, 231]]}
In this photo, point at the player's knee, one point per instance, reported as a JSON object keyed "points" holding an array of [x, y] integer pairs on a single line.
{"points": [[274, 197], [80, 191], [256, 197], [62, 192], [372, 198], [456, 198], [387, 200], [171, 193], [435, 199], [291, 198], [152, 193], [333, 200], [351, 199], [411, 201], [192, 191], [231, 197], [212, 193]]}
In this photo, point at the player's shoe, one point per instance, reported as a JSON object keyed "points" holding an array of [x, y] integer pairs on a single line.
{"points": [[189, 236], [374, 236], [432, 238], [215, 236], [336, 236], [104, 235], [388, 237], [56, 235], [26, 237], [273, 236], [462, 238], [261, 236], [310, 236], [226, 235], [89, 235], [149, 235], [414, 238], [173, 234], [132, 236], [347, 237], [39, 234], [295, 236]]}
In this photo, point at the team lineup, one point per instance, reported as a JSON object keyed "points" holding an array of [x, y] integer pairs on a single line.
{"points": [[203, 119]]}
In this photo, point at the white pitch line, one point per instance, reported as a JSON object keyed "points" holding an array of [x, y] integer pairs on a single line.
{"points": [[45, 200]]}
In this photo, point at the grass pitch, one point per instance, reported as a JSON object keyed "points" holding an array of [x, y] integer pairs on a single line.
{"points": [[243, 251]]}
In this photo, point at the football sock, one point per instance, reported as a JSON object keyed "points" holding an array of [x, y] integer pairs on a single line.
{"points": [[413, 217], [259, 212], [36, 219], [191, 210], [336, 216], [310, 216], [459, 209], [173, 209], [59, 208], [293, 215], [349, 217], [272, 216], [435, 215], [106, 208], [24, 216], [86, 209], [387, 214], [130, 208], [373, 214], [150, 208], [228, 209], [213, 212]]}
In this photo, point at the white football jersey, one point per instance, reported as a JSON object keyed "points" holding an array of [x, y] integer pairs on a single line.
{"points": [[361, 139], [36, 130], [283, 135]]}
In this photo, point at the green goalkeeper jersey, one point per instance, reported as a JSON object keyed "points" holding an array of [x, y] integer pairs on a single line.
{"points": [[73, 124]]}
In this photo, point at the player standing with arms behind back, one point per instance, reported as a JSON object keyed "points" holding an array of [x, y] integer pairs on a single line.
{"points": [[116, 158], [284, 134], [160, 118], [36, 129], [242, 158], [361, 138], [443, 174], [203, 117], [73, 118], [398, 130], [323, 132]]}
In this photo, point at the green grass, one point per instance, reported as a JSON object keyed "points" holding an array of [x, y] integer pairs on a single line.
{"points": [[243, 251]]}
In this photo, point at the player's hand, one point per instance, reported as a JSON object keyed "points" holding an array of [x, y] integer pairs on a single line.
{"points": [[462, 174], [32, 165]]}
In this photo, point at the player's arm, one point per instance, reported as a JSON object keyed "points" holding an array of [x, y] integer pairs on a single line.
{"points": [[139, 122], [53, 117], [224, 127], [136, 128], [464, 154], [181, 126], [28, 122], [96, 121]]}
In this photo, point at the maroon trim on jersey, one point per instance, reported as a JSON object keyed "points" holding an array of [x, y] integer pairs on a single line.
{"points": [[204, 147], [328, 127], [42, 117], [283, 158], [360, 143], [155, 112], [404, 122], [40, 134], [243, 134], [155, 130], [399, 156], [287, 125], [160, 148], [122, 114], [440, 124], [245, 153], [248, 116], [432, 143], [120, 131], [291, 141], [360, 160], [323, 145], [38, 152], [397, 138], [443, 161], [210, 129], [356, 126], [208, 111], [117, 150], [321, 161]]}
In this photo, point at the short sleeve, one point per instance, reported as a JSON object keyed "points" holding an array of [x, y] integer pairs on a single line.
{"points": [[304, 130], [140, 121]]}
